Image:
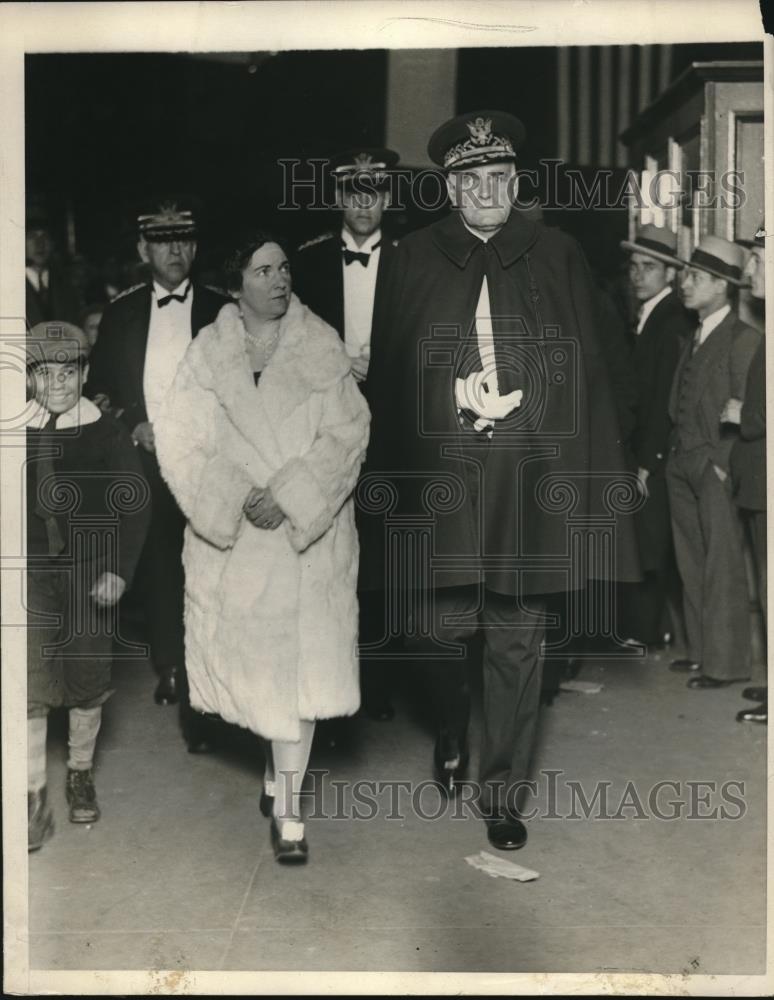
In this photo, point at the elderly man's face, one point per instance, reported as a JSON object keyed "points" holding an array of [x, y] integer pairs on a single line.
{"points": [[754, 270], [170, 263], [484, 195]]}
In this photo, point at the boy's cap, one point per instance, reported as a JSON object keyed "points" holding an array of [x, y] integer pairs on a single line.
{"points": [[56, 341]]}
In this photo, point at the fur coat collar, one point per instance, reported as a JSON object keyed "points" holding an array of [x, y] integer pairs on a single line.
{"points": [[309, 358]]}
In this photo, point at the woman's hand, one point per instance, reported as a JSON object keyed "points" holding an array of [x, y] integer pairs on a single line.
{"points": [[261, 510]]}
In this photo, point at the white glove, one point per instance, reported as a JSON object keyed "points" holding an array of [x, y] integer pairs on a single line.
{"points": [[473, 393]]}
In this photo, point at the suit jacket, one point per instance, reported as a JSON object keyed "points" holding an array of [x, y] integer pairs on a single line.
{"points": [[61, 302], [318, 277], [716, 373], [748, 458], [117, 363], [657, 348]]}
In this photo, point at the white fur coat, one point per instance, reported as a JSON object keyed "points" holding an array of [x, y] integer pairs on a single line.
{"points": [[270, 616]]}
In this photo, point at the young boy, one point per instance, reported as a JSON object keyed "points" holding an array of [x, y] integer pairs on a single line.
{"points": [[87, 516]]}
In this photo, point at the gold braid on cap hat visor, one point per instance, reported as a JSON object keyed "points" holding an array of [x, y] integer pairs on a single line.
{"points": [[476, 149], [168, 220]]}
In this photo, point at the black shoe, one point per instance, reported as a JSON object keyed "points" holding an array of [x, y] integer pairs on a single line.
{"points": [[40, 821], [684, 666], [756, 693], [288, 851], [168, 688], [448, 776], [756, 713], [705, 683], [506, 833], [198, 729], [82, 797]]}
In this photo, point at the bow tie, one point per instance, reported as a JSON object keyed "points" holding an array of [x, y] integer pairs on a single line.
{"points": [[166, 299], [350, 255]]}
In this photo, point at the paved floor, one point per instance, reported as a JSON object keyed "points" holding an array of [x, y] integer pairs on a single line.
{"points": [[179, 873]]}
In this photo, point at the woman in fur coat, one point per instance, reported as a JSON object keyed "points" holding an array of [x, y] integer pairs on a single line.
{"points": [[261, 440]]}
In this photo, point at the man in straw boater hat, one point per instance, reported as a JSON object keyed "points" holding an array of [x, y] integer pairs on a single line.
{"points": [[490, 397], [143, 335], [748, 467], [705, 405], [341, 276], [663, 327]]}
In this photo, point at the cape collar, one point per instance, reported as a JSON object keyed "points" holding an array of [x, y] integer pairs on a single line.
{"points": [[454, 239]]}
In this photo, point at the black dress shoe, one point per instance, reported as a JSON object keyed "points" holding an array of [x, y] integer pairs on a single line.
{"points": [[705, 683], [684, 666], [756, 713], [449, 775], [198, 730], [168, 688], [756, 693], [506, 833], [288, 851]]}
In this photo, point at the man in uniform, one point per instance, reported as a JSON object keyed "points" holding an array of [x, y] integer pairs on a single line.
{"points": [[663, 327], [705, 408], [143, 335], [341, 276], [491, 406]]}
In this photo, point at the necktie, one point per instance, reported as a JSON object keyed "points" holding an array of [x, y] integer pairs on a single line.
{"points": [[46, 472], [166, 299], [696, 340], [350, 255]]}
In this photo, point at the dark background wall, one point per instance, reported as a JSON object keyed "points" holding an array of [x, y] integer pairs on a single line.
{"points": [[105, 131]]}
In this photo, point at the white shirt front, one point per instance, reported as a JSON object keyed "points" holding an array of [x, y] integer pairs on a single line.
{"points": [[37, 278], [485, 339], [709, 323], [359, 292], [84, 412], [649, 305], [169, 336]]}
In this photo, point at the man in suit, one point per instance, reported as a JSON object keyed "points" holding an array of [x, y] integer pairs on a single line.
{"points": [[341, 276], [705, 405], [748, 467], [143, 335], [663, 327], [49, 293]]}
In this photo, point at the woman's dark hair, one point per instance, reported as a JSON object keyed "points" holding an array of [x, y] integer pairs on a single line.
{"points": [[242, 254]]}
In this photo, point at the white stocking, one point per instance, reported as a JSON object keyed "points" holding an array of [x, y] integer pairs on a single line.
{"points": [[36, 753], [290, 763]]}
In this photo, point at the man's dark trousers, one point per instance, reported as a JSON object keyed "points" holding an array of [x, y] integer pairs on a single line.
{"points": [[512, 669]]}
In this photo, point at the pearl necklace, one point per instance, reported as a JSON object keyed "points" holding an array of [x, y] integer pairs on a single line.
{"points": [[265, 346]]}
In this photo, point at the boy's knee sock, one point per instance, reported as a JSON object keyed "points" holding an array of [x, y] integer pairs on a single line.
{"points": [[36, 753], [84, 727]]}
